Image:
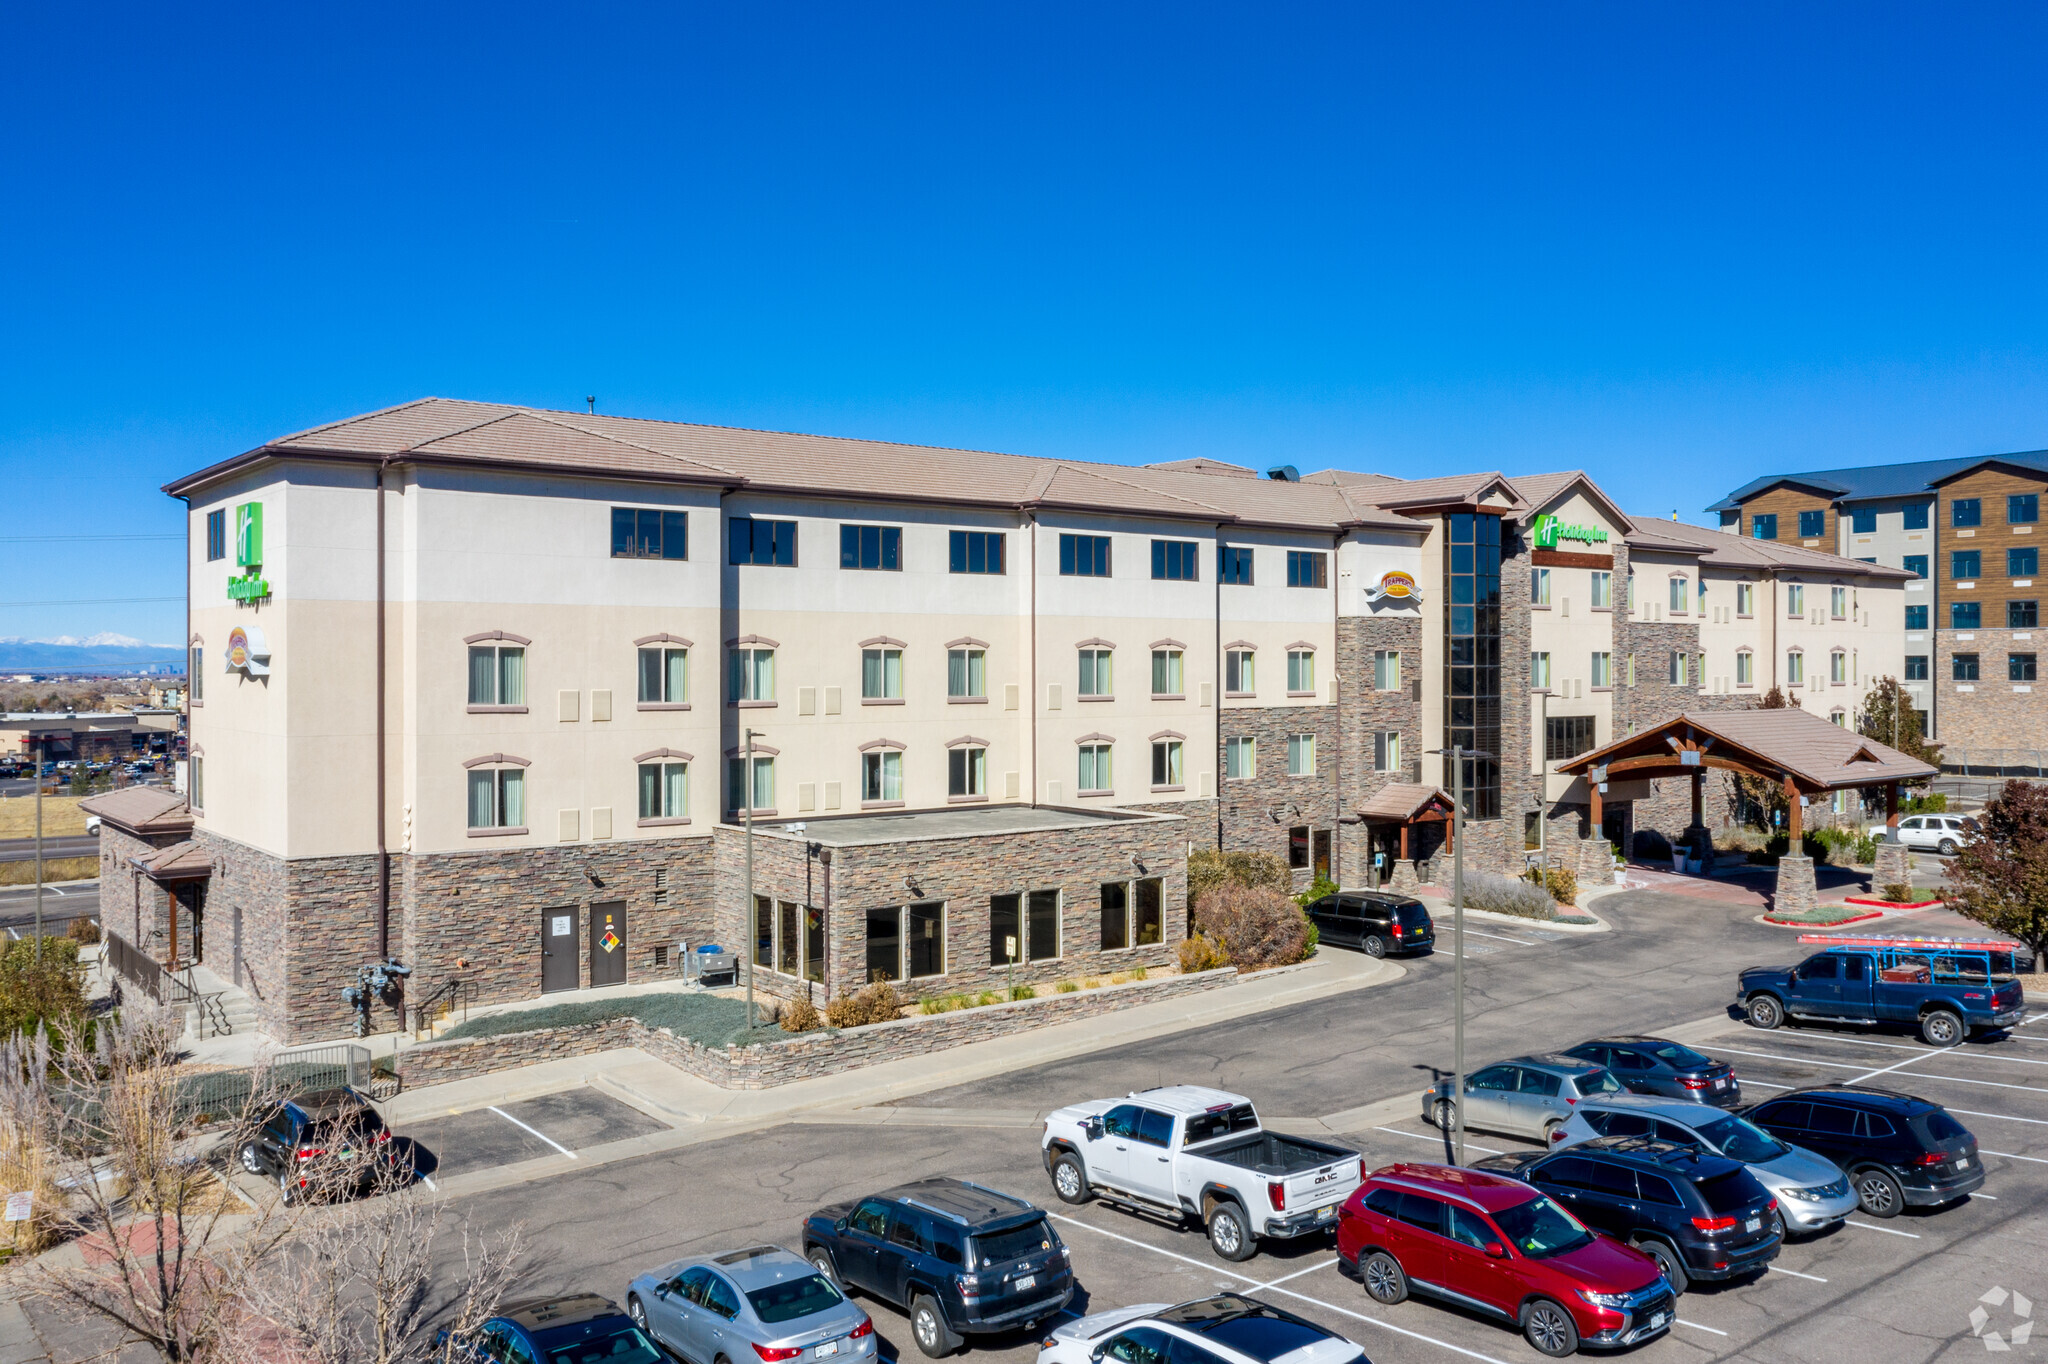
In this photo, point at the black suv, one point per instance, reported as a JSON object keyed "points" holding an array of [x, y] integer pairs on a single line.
{"points": [[1377, 921], [960, 1258], [1651, 1065], [320, 1142], [1899, 1151], [1698, 1216]]}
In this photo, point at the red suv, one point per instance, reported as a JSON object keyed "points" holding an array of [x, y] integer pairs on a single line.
{"points": [[1498, 1246]]}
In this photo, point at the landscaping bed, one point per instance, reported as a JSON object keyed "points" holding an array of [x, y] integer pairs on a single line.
{"points": [[707, 1020], [1827, 916], [1895, 904]]}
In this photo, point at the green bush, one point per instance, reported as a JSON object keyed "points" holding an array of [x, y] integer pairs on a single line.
{"points": [[943, 1004], [1809, 846], [1506, 895], [1139, 972], [1067, 987], [1925, 805], [1899, 893], [1023, 992], [1557, 882], [1311, 940], [32, 992], [988, 997], [1322, 886]]}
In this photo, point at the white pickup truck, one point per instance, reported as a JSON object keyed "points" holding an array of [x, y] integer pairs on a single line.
{"points": [[1184, 1151]]}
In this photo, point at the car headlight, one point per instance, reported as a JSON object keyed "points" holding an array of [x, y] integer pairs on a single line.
{"points": [[1803, 1195], [1613, 1302]]}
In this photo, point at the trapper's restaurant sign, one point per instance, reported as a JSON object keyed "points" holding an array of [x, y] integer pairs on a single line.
{"points": [[248, 651], [1398, 586]]}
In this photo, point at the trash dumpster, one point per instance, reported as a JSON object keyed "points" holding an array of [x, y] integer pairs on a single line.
{"points": [[715, 965]]}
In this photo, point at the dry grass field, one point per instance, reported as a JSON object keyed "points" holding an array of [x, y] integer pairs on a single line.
{"points": [[61, 815], [54, 869]]}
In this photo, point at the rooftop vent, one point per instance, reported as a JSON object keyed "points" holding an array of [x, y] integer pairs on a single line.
{"points": [[1284, 473]]}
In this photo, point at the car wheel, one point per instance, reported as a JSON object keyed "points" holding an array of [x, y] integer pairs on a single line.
{"points": [[1550, 1134], [1941, 1028], [1550, 1329], [1229, 1235], [250, 1160], [1375, 945], [1446, 1115], [636, 1311], [935, 1339], [821, 1260], [288, 1190], [1668, 1264], [1069, 1180], [1765, 1012], [1381, 1273], [1947, 847], [1879, 1193]]}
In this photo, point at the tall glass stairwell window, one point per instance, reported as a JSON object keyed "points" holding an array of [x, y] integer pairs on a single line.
{"points": [[1472, 549]]}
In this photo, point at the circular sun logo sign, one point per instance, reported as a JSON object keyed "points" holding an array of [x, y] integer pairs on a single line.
{"points": [[238, 648]]}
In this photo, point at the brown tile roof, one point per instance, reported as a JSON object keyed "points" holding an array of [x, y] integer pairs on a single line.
{"points": [[141, 810], [178, 862], [1821, 755], [1725, 550], [1207, 466], [1401, 800]]}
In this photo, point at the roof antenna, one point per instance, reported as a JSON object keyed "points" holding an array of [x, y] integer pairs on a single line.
{"points": [[592, 400]]}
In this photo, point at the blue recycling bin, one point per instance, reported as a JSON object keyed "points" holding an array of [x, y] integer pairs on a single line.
{"points": [[716, 966]]}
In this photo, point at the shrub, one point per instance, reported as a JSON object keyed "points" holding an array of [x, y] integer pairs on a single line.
{"points": [[1505, 895], [1651, 846], [85, 931], [986, 998], [1925, 805], [1318, 888], [1256, 927], [31, 992], [1899, 893], [1557, 882], [1210, 870], [1197, 953], [800, 1015], [1091, 984], [1741, 838], [877, 1003], [1119, 979], [1809, 845], [1023, 992], [1847, 846], [942, 1004], [1067, 987], [1311, 940], [1140, 971]]}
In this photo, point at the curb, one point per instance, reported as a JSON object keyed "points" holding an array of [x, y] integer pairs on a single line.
{"points": [[1516, 920], [1835, 923]]}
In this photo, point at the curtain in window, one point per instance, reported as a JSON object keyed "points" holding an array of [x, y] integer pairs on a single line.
{"points": [[892, 776], [483, 677], [678, 689], [483, 804], [675, 795], [511, 677], [650, 790], [512, 798]]}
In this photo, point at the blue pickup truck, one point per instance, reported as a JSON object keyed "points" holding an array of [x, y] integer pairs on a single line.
{"points": [[1947, 987]]}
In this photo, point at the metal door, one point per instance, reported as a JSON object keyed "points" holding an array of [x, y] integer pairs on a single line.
{"points": [[558, 950], [1321, 859], [238, 945], [608, 944]]}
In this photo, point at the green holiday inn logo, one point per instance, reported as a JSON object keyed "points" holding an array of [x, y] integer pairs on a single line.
{"points": [[1550, 530], [252, 585]]}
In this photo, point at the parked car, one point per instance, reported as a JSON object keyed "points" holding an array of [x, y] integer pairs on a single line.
{"points": [[92, 826], [1944, 834], [1524, 1097], [1698, 1216], [1226, 1329], [1493, 1244], [1899, 1151], [765, 1299], [961, 1259], [1376, 922], [1189, 1152], [1812, 1192], [1652, 1065], [325, 1141], [1950, 989], [582, 1328]]}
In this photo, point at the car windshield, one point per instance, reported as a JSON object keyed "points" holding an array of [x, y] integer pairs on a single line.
{"points": [[794, 1298], [1541, 1229], [621, 1345], [1680, 1058], [1740, 1139], [1411, 913], [1597, 1082], [1013, 1243], [1219, 1122]]}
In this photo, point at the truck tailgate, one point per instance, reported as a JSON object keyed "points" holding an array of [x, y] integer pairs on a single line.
{"points": [[1326, 1184]]}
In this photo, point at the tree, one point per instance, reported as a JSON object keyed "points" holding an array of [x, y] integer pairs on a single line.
{"points": [[2000, 878], [1889, 717]]}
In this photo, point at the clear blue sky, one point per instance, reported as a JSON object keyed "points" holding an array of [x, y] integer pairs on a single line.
{"points": [[1675, 246]]}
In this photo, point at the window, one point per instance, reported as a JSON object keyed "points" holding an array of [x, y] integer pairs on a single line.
{"points": [[2022, 615], [1916, 667], [1863, 521], [967, 771], [2022, 509], [1386, 670], [645, 533], [1915, 564], [1567, 736], [881, 674], [974, 551], [664, 790], [1795, 668], [1812, 523], [752, 675], [1915, 517], [1965, 511], [664, 676], [1239, 676], [1916, 618], [1133, 913], [1472, 659], [1539, 587], [755, 541], [198, 783], [1745, 599], [736, 783], [195, 673], [2019, 667], [1301, 755], [1677, 677], [1838, 667], [1965, 615], [1095, 773], [1084, 556], [1234, 564], [1603, 589], [1386, 751], [907, 941], [216, 535], [1603, 669], [881, 775], [966, 673], [1039, 939], [497, 675], [1166, 673], [1678, 599], [871, 547], [885, 944], [1166, 768], [1174, 560], [1240, 757], [1095, 674], [497, 797], [1963, 667], [1539, 671], [1838, 602], [1297, 846], [1764, 527], [1631, 666], [1795, 601], [1965, 564], [1301, 672], [1307, 568], [2022, 563], [1745, 669]]}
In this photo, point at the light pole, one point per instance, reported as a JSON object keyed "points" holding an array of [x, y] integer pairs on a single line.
{"points": [[1456, 756], [39, 749], [753, 928]]}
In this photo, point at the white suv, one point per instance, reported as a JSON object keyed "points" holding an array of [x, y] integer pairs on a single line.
{"points": [[1936, 833], [1225, 1329]]}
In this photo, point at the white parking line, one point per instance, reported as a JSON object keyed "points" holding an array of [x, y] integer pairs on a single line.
{"points": [[1889, 1231], [1519, 942], [1297, 1274], [1884, 1070], [1979, 1054], [1795, 1060], [1759, 1084], [1989, 1198], [2007, 1117], [542, 1135], [1417, 1136], [2007, 1155], [1795, 1273], [1681, 1321], [1845, 1065]]}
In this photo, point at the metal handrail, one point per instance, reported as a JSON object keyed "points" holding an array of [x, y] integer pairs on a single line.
{"points": [[443, 1000], [212, 1013]]}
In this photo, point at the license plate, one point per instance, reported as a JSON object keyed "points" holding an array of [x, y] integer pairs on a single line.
{"points": [[1962, 1162], [1721, 1084], [1327, 1213], [1028, 1281], [1660, 1319], [830, 1347], [1753, 1224]]}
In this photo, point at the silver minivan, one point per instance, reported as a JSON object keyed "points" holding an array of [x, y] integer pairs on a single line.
{"points": [[1525, 1097]]}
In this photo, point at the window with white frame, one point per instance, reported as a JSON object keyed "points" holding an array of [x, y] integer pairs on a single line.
{"points": [[1301, 755], [195, 675], [1795, 669], [1838, 602], [967, 771], [1240, 757], [881, 775], [1745, 669], [1166, 762], [1678, 599], [881, 674], [1133, 913], [906, 941], [1603, 669], [1745, 599], [1838, 667], [1239, 675], [753, 675], [664, 675], [497, 797], [196, 780], [1795, 601], [966, 673], [1603, 588], [1539, 671], [497, 675], [1166, 673], [1301, 672], [1095, 773], [1386, 670], [1539, 587], [1095, 679], [736, 795], [1386, 751], [664, 790]]}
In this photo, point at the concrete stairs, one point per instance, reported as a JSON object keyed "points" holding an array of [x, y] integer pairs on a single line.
{"points": [[232, 1013]]}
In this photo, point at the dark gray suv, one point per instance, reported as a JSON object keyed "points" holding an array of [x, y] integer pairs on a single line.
{"points": [[1652, 1065]]}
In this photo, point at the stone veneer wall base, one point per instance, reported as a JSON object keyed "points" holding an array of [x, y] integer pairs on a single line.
{"points": [[1796, 892]]}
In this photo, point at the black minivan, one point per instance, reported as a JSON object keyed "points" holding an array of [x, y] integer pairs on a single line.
{"points": [[960, 1258], [1899, 1151], [1378, 922], [1698, 1216]]}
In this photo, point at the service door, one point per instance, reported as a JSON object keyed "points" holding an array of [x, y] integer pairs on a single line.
{"points": [[608, 944], [558, 949]]}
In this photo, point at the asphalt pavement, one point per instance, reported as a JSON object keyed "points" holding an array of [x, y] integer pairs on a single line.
{"points": [[61, 904], [64, 845]]}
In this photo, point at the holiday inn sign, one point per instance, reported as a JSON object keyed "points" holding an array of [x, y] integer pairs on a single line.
{"points": [[252, 585], [1550, 530]]}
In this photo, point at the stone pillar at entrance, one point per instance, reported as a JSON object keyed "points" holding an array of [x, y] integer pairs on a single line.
{"points": [[1796, 892], [1894, 866], [1404, 879], [1596, 862]]}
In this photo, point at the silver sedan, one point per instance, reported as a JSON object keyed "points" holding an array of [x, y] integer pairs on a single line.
{"points": [[764, 1305]]}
